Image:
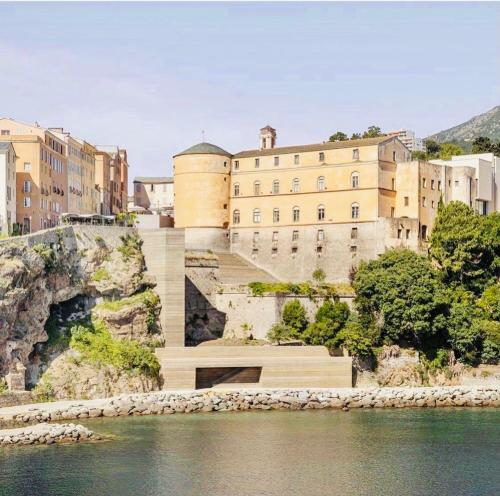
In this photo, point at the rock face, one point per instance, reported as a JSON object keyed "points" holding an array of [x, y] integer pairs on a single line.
{"points": [[69, 377], [47, 268]]}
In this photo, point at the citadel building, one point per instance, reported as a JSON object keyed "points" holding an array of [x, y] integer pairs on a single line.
{"points": [[290, 210]]}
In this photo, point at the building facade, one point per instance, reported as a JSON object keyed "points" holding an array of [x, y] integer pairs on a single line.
{"points": [[155, 194], [103, 182], [408, 138], [7, 188], [118, 177]]}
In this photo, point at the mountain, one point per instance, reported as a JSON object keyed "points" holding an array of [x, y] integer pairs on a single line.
{"points": [[487, 124]]}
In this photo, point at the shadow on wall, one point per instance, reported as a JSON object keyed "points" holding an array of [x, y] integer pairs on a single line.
{"points": [[203, 321]]}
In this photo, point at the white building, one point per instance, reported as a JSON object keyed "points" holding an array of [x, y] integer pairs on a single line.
{"points": [[7, 187], [475, 180], [408, 138], [155, 194]]}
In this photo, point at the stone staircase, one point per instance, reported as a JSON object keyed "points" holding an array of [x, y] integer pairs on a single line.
{"points": [[233, 269]]}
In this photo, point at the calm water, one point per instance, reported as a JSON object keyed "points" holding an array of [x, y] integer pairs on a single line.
{"points": [[375, 452]]}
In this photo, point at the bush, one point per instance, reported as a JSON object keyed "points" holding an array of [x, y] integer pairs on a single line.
{"points": [[131, 246], [331, 317], [319, 275], [295, 317], [279, 333], [97, 346], [353, 338], [48, 256], [101, 274]]}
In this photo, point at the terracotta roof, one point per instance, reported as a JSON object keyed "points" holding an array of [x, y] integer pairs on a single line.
{"points": [[153, 180], [315, 147], [204, 149]]}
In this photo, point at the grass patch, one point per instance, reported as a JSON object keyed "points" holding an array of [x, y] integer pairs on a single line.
{"points": [[320, 290], [101, 274]]}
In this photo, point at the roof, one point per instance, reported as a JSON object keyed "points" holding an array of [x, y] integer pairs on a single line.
{"points": [[328, 145], [204, 149], [154, 180], [5, 145]]}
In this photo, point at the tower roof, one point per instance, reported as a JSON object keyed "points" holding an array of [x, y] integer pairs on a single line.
{"points": [[204, 149]]}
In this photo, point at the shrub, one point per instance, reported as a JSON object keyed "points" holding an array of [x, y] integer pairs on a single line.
{"points": [[101, 274], [353, 338], [295, 317], [319, 275], [131, 246], [279, 333], [48, 256]]}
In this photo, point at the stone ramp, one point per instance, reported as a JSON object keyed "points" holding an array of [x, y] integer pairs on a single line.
{"points": [[281, 366], [234, 269]]}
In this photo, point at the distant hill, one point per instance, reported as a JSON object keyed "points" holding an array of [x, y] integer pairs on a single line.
{"points": [[487, 124]]}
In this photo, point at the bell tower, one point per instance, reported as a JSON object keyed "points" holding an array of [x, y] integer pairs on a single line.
{"points": [[267, 137]]}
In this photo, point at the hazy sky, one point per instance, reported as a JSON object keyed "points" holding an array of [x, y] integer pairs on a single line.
{"points": [[150, 77]]}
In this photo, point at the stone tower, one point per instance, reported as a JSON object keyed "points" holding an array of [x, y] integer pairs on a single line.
{"points": [[267, 137]]}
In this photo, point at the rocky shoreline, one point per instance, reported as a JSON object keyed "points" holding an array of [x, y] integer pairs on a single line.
{"points": [[46, 434], [169, 402]]}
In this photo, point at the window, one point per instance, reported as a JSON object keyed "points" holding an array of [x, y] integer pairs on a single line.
{"points": [[225, 164], [355, 211], [296, 214], [27, 166], [276, 187], [225, 206], [256, 216], [321, 212], [27, 186], [424, 232], [257, 163], [320, 236], [5, 132], [424, 182], [320, 183], [407, 201], [296, 160], [27, 201], [439, 185], [235, 237], [236, 189], [294, 250], [400, 231], [274, 249], [256, 188], [393, 210], [236, 165], [152, 187], [355, 154], [256, 237], [407, 234], [236, 217], [393, 184], [424, 201], [432, 184], [432, 204], [394, 156], [355, 180], [276, 161], [296, 185], [354, 233], [456, 184], [295, 236], [354, 249], [321, 157], [276, 215]]}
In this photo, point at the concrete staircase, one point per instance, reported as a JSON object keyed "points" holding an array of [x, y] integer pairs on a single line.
{"points": [[233, 269]]}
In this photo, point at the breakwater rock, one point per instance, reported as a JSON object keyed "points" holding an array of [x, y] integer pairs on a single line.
{"points": [[46, 434], [169, 402]]}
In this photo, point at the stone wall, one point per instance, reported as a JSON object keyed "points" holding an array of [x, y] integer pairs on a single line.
{"points": [[163, 402], [46, 434]]}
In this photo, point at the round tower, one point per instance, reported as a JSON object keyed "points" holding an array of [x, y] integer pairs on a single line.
{"points": [[201, 195]]}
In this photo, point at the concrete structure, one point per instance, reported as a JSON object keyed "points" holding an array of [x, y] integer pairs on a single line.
{"points": [[155, 194], [408, 139], [41, 175], [7, 188]]}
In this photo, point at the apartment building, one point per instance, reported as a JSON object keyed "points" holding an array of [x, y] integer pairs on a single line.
{"points": [[118, 178], [7, 188], [408, 138], [103, 182], [41, 174], [155, 194]]}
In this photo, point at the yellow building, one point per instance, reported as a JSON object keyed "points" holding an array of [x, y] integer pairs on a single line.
{"points": [[103, 181]]}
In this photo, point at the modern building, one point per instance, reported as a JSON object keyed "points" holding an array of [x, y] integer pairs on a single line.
{"points": [[155, 194], [7, 188], [408, 138], [41, 174]]}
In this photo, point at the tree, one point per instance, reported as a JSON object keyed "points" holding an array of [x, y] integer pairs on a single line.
{"points": [[418, 155], [448, 150], [319, 275], [353, 338], [466, 246], [295, 317], [482, 144], [338, 136], [331, 317], [355, 136], [433, 148], [279, 333], [373, 132], [401, 297]]}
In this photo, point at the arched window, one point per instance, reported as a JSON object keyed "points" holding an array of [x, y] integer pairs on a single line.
{"points": [[355, 180], [256, 188], [320, 183], [276, 187], [256, 216], [321, 212], [355, 211], [236, 216], [276, 215], [296, 214], [296, 185], [236, 189]]}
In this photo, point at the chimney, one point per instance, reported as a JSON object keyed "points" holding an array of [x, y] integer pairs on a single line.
{"points": [[267, 137]]}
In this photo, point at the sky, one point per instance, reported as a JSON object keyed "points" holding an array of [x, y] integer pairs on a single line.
{"points": [[150, 77]]}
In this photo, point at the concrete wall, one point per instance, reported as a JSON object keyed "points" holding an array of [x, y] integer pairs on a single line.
{"points": [[207, 238]]}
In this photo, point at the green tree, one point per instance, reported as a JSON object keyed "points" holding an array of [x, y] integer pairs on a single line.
{"points": [[401, 297], [279, 333], [418, 155], [319, 275], [482, 144], [295, 317], [465, 246], [449, 149], [433, 148], [353, 338], [331, 317], [338, 136], [373, 132], [355, 136]]}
